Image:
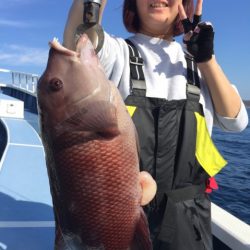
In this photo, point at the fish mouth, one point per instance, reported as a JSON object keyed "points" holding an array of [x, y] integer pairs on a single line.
{"points": [[55, 44], [159, 4]]}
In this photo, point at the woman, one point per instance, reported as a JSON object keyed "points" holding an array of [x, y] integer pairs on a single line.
{"points": [[174, 106]]}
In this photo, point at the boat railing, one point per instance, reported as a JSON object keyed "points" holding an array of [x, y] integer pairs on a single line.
{"points": [[229, 230], [20, 80]]}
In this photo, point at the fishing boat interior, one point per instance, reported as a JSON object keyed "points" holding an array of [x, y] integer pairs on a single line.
{"points": [[26, 209]]}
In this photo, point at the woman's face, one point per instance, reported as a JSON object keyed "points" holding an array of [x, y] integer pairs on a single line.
{"points": [[157, 16]]}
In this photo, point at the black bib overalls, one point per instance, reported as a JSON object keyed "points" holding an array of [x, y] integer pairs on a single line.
{"points": [[179, 216]]}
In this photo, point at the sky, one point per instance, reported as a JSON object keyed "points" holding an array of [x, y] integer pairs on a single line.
{"points": [[26, 27]]}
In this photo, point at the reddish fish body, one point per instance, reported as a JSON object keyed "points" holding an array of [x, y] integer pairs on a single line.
{"points": [[91, 154]]}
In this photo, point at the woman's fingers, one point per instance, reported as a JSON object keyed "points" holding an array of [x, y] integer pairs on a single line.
{"points": [[198, 9], [197, 13], [196, 20], [182, 12], [187, 25]]}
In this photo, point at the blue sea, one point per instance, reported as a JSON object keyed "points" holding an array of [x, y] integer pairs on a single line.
{"points": [[234, 180]]}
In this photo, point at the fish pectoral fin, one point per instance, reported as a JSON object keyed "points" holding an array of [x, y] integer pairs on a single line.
{"points": [[141, 238], [148, 186], [101, 117], [98, 117]]}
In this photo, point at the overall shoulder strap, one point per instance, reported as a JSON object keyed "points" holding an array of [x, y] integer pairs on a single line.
{"points": [[137, 79], [193, 81]]}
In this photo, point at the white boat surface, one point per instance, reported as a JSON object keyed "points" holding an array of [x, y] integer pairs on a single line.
{"points": [[26, 210]]}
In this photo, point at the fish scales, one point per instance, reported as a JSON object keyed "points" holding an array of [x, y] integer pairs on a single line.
{"points": [[103, 183], [91, 154]]}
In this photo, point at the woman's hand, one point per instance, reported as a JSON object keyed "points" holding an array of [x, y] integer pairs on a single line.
{"points": [[199, 39], [198, 36], [75, 18]]}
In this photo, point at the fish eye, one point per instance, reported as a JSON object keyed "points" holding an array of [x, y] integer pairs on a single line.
{"points": [[55, 84]]}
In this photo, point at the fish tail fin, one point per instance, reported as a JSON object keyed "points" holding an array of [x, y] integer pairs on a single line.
{"points": [[142, 235]]}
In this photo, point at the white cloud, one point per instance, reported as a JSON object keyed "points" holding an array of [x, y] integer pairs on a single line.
{"points": [[15, 24], [16, 55]]}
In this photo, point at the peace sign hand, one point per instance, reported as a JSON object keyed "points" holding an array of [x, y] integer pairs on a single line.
{"points": [[198, 36]]}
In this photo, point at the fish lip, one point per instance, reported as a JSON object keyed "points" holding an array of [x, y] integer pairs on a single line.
{"points": [[151, 5], [55, 44]]}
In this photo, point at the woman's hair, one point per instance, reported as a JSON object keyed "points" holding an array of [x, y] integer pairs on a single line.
{"points": [[131, 18]]}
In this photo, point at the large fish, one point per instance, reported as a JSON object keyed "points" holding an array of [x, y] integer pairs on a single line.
{"points": [[91, 154]]}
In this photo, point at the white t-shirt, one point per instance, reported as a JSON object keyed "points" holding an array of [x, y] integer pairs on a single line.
{"points": [[165, 74]]}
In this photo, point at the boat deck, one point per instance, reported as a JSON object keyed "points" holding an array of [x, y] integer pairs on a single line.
{"points": [[26, 213]]}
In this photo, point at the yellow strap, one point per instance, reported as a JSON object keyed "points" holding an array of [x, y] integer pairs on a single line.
{"points": [[206, 152], [131, 110]]}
